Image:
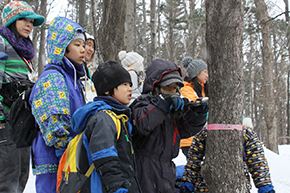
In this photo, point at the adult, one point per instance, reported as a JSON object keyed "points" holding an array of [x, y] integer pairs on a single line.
{"points": [[18, 20]]}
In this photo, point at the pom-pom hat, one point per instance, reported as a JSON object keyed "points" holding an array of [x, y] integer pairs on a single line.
{"points": [[132, 60], [17, 10], [110, 75], [193, 67]]}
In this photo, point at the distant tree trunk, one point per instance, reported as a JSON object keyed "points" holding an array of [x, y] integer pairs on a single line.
{"points": [[99, 59], [41, 55], [129, 35], [223, 164], [144, 27], [288, 82], [111, 31], [271, 141], [82, 13], [153, 28]]}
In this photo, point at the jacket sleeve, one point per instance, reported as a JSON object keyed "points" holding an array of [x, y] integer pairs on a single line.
{"points": [[146, 115], [195, 156], [51, 109], [103, 147], [255, 158]]}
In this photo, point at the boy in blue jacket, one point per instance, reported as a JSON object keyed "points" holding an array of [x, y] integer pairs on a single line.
{"points": [[105, 144], [56, 95]]}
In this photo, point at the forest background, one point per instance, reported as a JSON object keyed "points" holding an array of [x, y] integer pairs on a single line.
{"points": [[173, 29]]}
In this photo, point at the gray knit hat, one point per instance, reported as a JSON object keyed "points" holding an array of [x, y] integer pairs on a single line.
{"points": [[193, 67]]}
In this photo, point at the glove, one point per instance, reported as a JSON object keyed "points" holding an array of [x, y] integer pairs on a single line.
{"points": [[176, 103], [121, 190], [186, 187], [266, 189], [179, 171]]}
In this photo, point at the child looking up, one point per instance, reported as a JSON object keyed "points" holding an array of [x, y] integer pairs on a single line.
{"points": [[56, 95]]}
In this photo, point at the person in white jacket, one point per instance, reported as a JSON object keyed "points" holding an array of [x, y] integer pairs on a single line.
{"points": [[133, 63]]}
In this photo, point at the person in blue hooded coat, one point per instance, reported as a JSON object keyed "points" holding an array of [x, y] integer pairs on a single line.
{"points": [[160, 120], [104, 144], [56, 95]]}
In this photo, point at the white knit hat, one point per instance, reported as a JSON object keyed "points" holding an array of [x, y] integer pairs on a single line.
{"points": [[132, 60]]}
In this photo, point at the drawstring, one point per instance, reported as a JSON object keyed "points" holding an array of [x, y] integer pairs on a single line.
{"points": [[75, 72], [175, 133], [124, 118]]}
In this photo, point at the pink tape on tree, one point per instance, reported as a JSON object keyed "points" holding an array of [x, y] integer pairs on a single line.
{"points": [[224, 127]]}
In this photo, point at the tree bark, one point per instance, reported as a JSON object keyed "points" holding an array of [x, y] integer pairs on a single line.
{"points": [[129, 35], [271, 141], [41, 56], [223, 164], [153, 29]]}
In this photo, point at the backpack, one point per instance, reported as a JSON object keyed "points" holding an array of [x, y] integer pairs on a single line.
{"points": [[21, 119], [69, 177]]}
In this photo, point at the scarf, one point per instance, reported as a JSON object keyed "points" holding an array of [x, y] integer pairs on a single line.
{"points": [[22, 46]]}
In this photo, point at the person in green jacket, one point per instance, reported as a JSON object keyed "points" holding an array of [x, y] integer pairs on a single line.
{"points": [[18, 20]]}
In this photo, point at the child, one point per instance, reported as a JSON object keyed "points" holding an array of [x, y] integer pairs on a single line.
{"points": [[133, 63], [159, 123], [18, 19], [195, 87], [254, 158], [89, 55], [55, 97], [110, 151]]}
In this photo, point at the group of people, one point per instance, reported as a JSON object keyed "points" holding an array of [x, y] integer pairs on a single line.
{"points": [[134, 157]]}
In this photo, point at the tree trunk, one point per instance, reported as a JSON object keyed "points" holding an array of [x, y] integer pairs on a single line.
{"points": [[153, 29], [271, 141], [223, 164], [111, 31], [144, 26], [41, 56], [82, 13], [129, 34]]}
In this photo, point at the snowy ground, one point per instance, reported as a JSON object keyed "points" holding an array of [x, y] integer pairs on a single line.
{"points": [[279, 168]]}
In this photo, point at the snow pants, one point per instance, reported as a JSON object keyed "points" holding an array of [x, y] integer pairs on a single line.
{"points": [[14, 165]]}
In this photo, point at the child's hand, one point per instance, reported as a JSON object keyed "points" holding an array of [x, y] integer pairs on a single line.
{"points": [[186, 187], [175, 101]]}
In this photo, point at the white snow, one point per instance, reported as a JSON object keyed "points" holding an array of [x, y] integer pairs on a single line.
{"points": [[279, 168]]}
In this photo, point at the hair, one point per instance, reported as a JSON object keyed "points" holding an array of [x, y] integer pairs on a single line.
{"points": [[196, 86], [111, 92]]}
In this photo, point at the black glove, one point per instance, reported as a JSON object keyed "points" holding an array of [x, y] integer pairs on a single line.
{"points": [[176, 103]]}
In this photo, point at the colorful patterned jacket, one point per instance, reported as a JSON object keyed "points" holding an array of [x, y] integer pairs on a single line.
{"points": [[255, 161], [55, 97]]}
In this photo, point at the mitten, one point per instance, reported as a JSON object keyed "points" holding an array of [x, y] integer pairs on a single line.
{"points": [[179, 171], [121, 190], [176, 103], [266, 189], [186, 187]]}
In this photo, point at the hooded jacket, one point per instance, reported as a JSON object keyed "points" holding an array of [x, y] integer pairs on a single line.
{"points": [[112, 156], [157, 133], [55, 97]]}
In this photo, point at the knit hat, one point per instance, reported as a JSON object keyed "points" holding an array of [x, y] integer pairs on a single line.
{"points": [[193, 67], [171, 77], [17, 10], [132, 60], [109, 75]]}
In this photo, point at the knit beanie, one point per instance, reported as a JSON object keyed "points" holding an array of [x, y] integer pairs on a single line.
{"points": [[171, 77], [109, 75], [132, 60], [193, 67], [17, 10]]}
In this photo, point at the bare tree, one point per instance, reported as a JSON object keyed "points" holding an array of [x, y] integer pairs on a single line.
{"points": [[268, 68], [129, 35], [153, 28], [41, 56], [111, 31], [223, 165]]}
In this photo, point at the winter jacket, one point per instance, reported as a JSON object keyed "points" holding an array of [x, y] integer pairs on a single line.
{"points": [[255, 161], [54, 99], [113, 158], [189, 92], [157, 133], [12, 69]]}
